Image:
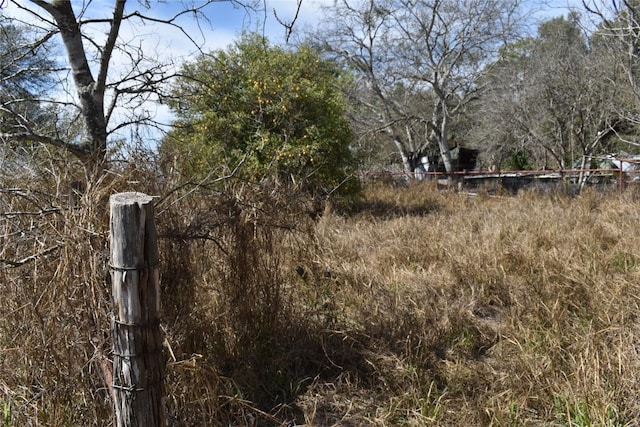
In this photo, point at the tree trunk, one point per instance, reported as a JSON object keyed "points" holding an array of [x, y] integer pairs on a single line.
{"points": [[406, 163], [138, 362], [441, 120], [583, 176], [93, 144]]}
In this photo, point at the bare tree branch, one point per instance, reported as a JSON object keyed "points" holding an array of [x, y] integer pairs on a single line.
{"points": [[78, 150], [17, 263], [288, 26], [109, 46]]}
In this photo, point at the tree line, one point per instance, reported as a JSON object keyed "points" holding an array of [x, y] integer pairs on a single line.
{"points": [[376, 85]]}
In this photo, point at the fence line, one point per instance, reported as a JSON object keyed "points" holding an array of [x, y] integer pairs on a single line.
{"points": [[476, 178]]}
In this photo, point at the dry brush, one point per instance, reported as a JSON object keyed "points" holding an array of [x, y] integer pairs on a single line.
{"points": [[413, 307]]}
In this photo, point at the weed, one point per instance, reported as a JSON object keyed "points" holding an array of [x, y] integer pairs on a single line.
{"points": [[624, 262], [6, 413], [574, 412]]}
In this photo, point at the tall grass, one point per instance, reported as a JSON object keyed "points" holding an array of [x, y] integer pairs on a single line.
{"points": [[414, 307]]}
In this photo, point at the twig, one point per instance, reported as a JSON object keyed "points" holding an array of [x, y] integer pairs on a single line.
{"points": [[288, 26], [31, 213], [197, 185], [30, 258]]}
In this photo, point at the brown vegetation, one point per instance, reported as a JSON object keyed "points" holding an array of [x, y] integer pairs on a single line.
{"points": [[419, 307]]}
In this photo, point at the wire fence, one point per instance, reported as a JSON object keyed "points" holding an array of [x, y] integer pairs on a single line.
{"points": [[567, 180]]}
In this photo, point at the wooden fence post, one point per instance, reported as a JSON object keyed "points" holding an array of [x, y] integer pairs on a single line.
{"points": [[138, 362]]}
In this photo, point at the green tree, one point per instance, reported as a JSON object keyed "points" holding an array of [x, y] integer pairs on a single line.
{"points": [[278, 113]]}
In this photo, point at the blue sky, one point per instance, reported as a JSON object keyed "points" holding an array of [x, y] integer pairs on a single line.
{"points": [[228, 20], [225, 22]]}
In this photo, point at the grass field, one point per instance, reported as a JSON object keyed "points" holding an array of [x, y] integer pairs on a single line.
{"points": [[416, 307]]}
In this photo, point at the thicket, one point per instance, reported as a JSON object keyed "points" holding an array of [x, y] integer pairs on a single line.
{"points": [[413, 307]]}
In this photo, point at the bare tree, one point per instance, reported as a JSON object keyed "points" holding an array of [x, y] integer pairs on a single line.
{"points": [[552, 97], [619, 22], [436, 50], [356, 35], [91, 45], [616, 26], [447, 46]]}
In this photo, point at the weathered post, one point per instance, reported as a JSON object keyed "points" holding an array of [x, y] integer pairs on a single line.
{"points": [[138, 363]]}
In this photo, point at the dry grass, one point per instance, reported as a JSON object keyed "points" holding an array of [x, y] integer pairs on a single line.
{"points": [[417, 308], [491, 311]]}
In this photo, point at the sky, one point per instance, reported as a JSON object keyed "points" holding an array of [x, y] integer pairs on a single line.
{"points": [[225, 21]]}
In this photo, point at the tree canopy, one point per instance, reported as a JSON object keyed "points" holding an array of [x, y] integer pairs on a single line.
{"points": [[106, 82], [417, 76], [278, 113]]}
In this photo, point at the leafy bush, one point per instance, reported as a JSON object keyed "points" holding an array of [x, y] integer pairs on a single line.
{"points": [[277, 113]]}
